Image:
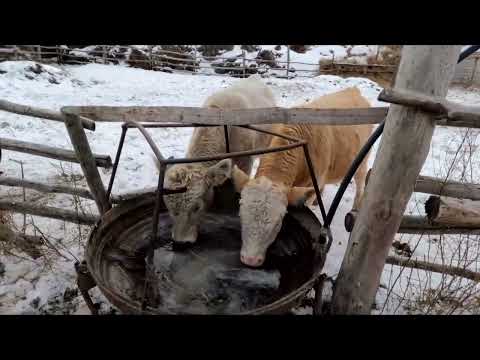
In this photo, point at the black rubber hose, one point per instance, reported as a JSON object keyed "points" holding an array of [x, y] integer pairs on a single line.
{"points": [[351, 171], [467, 52], [366, 148]]}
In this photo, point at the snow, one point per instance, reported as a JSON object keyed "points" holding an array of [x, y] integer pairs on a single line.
{"points": [[38, 286]]}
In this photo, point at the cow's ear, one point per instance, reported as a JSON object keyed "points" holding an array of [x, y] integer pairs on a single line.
{"points": [[298, 196], [239, 178], [220, 172]]}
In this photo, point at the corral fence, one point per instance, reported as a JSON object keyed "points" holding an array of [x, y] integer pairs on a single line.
{"points": [[77, 119], [191, 61], [450, 213]]}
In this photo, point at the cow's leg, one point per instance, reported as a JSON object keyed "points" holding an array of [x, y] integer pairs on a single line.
{"points": [[359, 177]]}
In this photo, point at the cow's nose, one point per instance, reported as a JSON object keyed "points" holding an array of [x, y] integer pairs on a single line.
{"points": [[253, 261]]}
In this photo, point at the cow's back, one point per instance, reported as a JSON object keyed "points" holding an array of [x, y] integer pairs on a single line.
{"points": [[335, 144], [332, 148], [247, 93]]}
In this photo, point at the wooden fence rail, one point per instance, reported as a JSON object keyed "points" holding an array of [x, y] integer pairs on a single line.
{"points": [[191, 115], [50, 152], [40, 113], [47, 211]]}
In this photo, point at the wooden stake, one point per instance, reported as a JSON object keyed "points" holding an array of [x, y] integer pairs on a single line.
{"points": [[87, 162]]}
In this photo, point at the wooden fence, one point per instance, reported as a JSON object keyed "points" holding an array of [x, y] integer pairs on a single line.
{"points": [[190, 62], [79, 118]]}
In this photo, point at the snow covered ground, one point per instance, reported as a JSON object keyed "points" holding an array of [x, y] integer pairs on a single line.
{"points": [[45, 285]]}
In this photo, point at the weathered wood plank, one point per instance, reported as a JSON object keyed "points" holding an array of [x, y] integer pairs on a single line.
{"points": [[436, 186], [191, 115], [436, 105], [80, 192], [50, 152], [45, 188], [41, 113], [406, 141], [47, 211], [442, 210], [413, 224], [438, 268], [87, 161]]}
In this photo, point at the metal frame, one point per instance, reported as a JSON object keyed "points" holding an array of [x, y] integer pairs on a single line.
{"points": [[165, 162]]}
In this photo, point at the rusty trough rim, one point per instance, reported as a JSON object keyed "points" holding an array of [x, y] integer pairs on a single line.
{"points": [[161, 191]]}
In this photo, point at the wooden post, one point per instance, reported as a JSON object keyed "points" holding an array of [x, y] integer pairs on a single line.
{"points": [[150, 56], [288, 59], [194, 58], [404, 147], [87, 161], [378, 53], [244, 64], [105, 49]]}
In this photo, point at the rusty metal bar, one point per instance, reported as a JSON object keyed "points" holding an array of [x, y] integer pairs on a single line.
{"points": [[115, 164], [315, 184], [232, 154], [227, 143]]}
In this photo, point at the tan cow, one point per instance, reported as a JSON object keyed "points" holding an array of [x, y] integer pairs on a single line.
{"points": [[283, 178], [186, 209]]}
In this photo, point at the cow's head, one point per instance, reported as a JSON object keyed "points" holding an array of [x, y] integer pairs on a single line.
{"points": [[263, 205], [186, 209]]}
